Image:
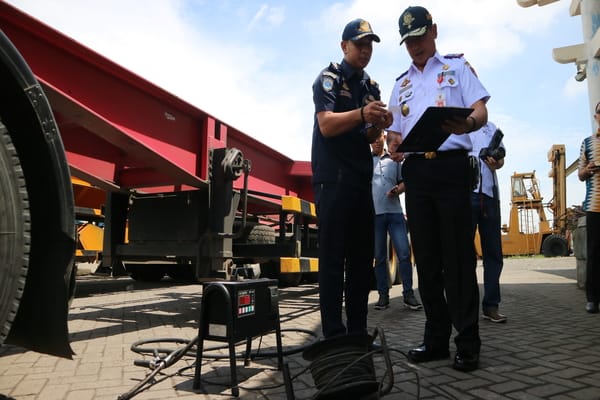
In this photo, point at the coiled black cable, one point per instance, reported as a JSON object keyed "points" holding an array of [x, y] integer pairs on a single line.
{"points": [[332, 372], [164, 358], [344, 367], [341, 371], [140, 347]]}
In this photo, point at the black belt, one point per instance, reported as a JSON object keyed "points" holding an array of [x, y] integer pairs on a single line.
{"points": [[439, 154]]}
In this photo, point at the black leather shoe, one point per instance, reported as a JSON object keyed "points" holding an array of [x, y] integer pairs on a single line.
{"points": [[466, 362], [425, 353], [592, 307]]}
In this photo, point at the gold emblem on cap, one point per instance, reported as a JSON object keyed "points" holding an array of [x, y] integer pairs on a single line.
{"points": [[407, 20], [364, 26], [404, 109]]}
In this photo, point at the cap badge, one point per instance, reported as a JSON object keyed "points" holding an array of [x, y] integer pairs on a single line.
{"points": [[407, 20], [364, 26]]}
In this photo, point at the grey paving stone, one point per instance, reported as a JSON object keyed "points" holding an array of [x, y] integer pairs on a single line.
{"points": [[548, 349]]}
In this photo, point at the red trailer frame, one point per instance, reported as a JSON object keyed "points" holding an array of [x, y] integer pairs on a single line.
{"points": [[129, 137], [122, 132]]}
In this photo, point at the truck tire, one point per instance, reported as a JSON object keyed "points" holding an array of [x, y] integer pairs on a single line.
{"points": [[15, 233], [555, 246], [264, 234], [41, 247], [260, 234]]}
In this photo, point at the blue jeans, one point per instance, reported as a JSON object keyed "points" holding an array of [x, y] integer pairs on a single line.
{"points": [[486, 216], [394, 224]]}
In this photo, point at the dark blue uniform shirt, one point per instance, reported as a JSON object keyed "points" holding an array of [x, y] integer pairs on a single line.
{"points": [[345, 158]]}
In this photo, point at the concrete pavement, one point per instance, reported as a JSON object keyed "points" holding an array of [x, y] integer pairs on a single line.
{"points": [[548, 349]]}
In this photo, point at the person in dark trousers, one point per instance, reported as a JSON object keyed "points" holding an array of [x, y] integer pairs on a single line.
{"points": [[438, 188], [389, 220], [589, 172], [485, 203], [349, 115]]}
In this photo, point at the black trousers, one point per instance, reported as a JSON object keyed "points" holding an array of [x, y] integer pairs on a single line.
{"points": [[592, 270], [346, 249], [438, 211]]}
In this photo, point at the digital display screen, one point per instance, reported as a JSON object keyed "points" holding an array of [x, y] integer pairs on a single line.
{"points": [[244, 300]]}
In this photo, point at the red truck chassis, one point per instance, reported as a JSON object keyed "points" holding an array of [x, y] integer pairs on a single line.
{"points": [[186, 193]]}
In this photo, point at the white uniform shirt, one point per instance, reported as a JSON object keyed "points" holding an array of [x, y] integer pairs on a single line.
{"points": [[445, 81], [480, 139]]}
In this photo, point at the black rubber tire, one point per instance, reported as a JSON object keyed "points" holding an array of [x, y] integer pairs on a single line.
{"points": [[555, 246], [15, 232], [261, 234], [264, 234]]}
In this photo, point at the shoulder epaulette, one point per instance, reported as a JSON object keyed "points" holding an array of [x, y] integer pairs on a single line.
{"points": [[471, 68], [334, 70], [455, 55], [335, 67], [404, 73], [329, 73]]}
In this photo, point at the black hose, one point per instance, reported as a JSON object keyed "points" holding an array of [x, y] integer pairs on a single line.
{"points": [[172, 356], [159, 365], [348, 370], [136, 347]]}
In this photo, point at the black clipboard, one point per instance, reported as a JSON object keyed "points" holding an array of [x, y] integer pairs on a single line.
{"points": [[427, 134]]}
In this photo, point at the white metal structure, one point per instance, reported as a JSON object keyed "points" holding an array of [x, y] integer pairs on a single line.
{"points": [[586, 55]]}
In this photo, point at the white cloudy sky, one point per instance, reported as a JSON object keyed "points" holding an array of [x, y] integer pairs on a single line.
{"points": [[252, 63]]}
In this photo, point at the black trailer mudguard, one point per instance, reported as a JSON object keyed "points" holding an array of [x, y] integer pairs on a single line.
{"points": [[38, 157]]}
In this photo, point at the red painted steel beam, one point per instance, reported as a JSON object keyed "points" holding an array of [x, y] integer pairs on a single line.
{"points": [[113, 152], [128, 133]]}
